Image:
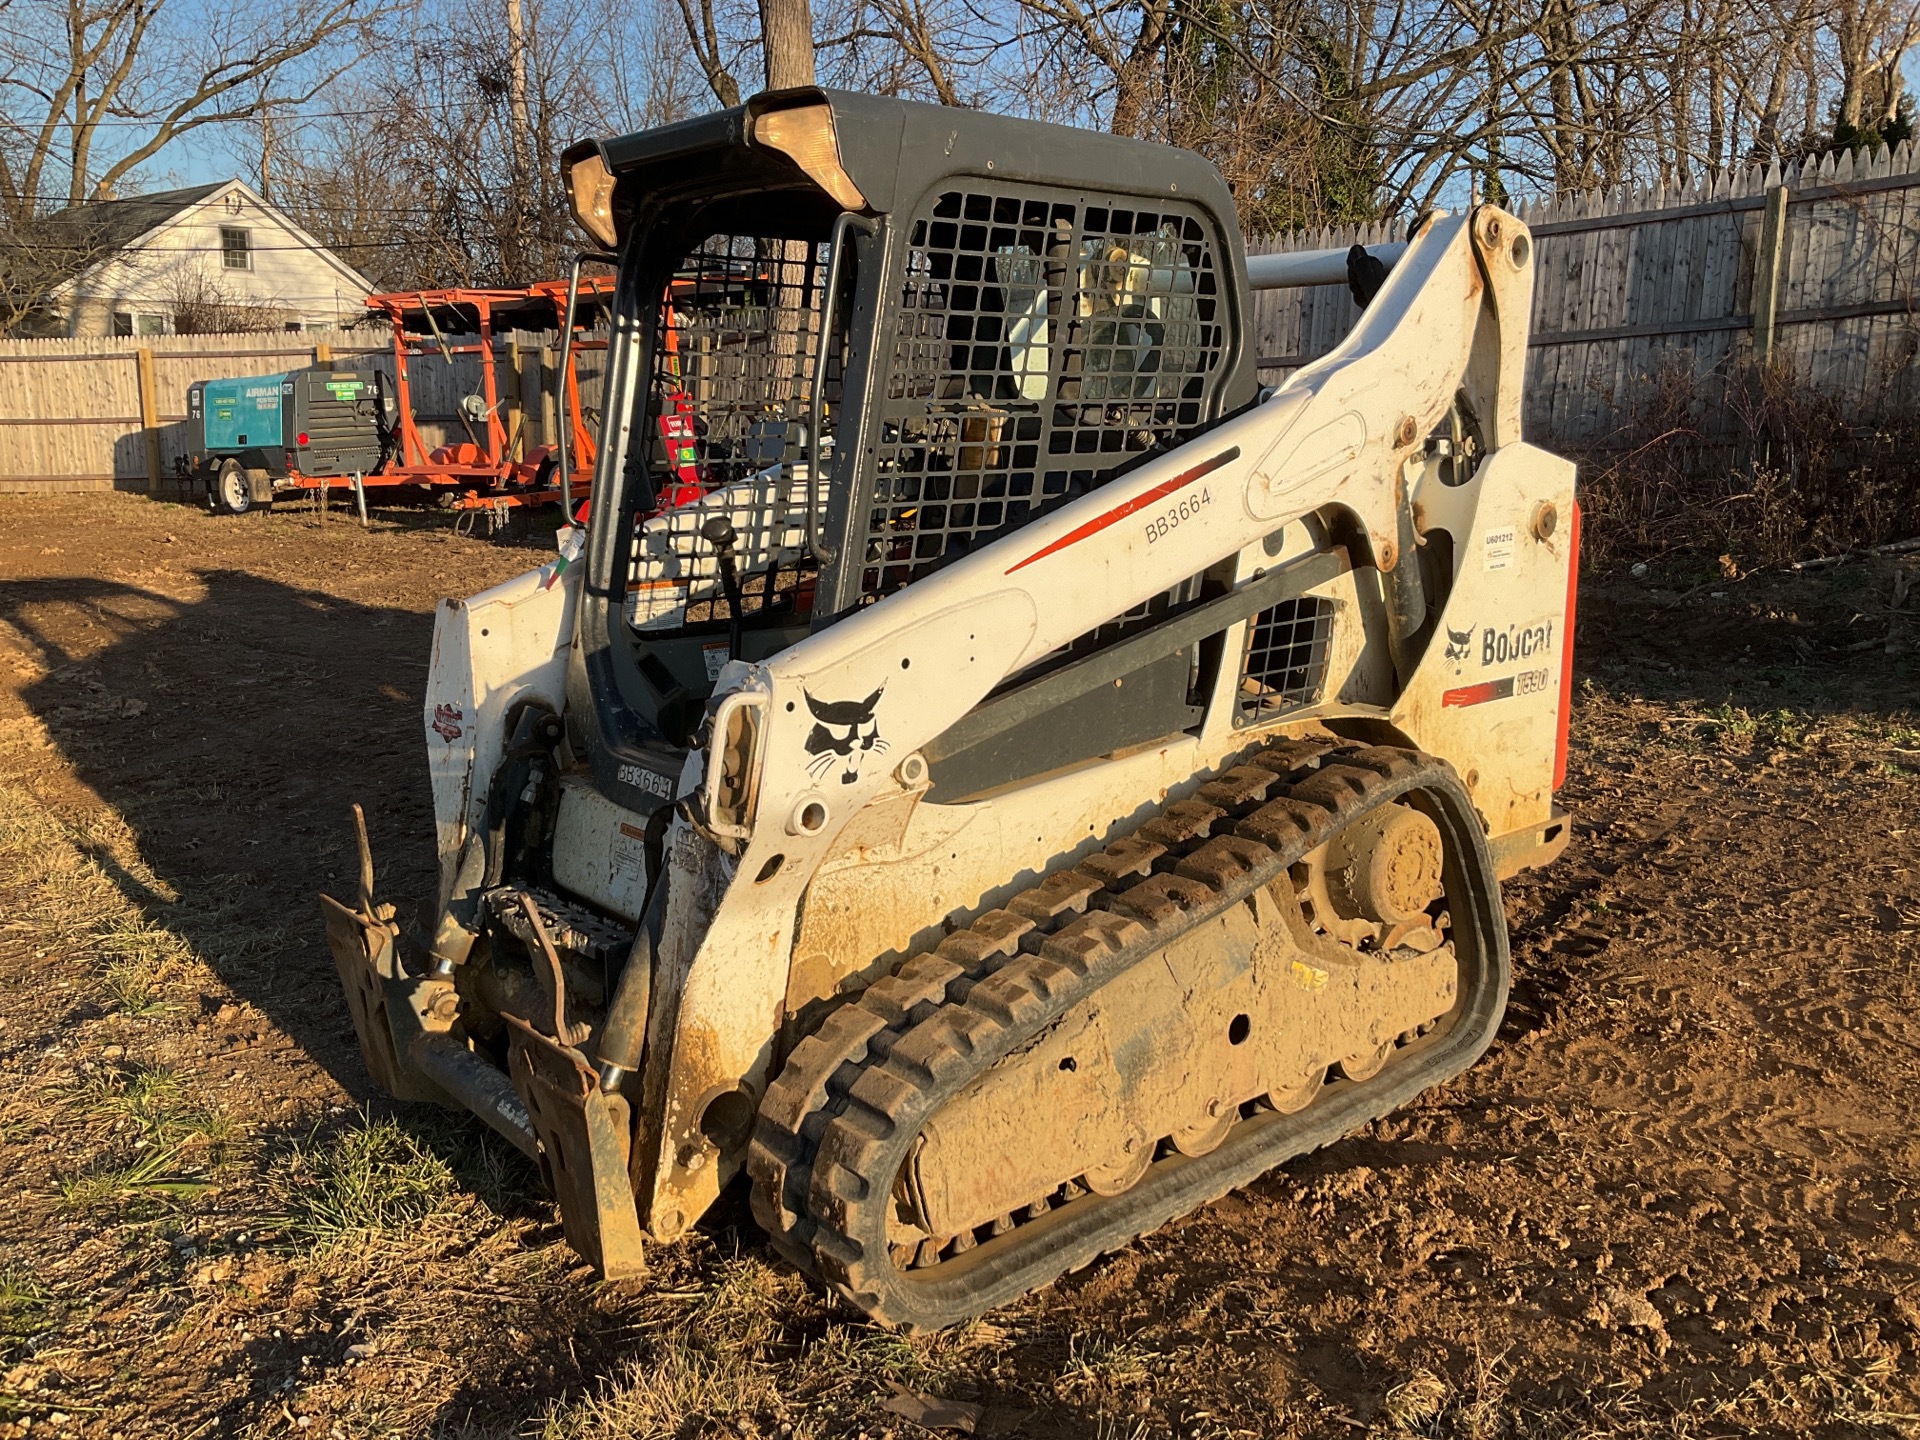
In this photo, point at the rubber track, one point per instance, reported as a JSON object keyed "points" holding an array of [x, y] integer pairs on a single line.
{"points": [[840, 1118]]}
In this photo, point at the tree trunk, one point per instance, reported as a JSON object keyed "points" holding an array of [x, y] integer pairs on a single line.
{"points": [[522, 146], [1133, 81], [1766, 137], [1561, 47], [519, 147], [266, 154], [786, 28]]}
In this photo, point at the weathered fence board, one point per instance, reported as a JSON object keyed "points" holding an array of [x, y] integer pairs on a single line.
{"points": [[1639, 287]]}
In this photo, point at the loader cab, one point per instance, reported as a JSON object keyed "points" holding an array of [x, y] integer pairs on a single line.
{"points": [[855, 339]]}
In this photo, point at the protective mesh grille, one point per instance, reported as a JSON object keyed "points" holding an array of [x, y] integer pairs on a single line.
{"points": [[1285, 661], [739, 330], [725, 424], [1041, 343]]}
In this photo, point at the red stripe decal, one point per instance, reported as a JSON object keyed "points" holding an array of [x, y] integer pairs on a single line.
{"points": [[1477, 694], [1130, 507], [1566, 652]]}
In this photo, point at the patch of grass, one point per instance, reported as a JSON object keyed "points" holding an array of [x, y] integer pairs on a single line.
{"points": [[372, 1178], [24, 1311], [1736, 728], [1416, 1402], [1101, 1357], [744, 1355], [172, 1147], [678, 1390], [709, 1368], [82, 886]]}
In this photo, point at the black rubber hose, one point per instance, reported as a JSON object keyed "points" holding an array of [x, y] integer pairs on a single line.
{"points": [[624, 1036]]}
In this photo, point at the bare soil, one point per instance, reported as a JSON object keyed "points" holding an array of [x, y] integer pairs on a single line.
{"points": [[1681, 1196]]}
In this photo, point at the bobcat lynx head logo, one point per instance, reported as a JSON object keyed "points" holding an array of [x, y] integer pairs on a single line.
{"points": [[1459, 643], [844, 734]]}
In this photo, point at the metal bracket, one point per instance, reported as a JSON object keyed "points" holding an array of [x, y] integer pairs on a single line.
{"points": [[585, 1138], [363, 953], [1181, 628]]}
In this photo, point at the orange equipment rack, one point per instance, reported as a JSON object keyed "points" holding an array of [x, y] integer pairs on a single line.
{"points": [[480, 473]]}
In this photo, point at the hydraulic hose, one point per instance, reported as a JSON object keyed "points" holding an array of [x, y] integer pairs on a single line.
{"points": [[624, 1035]]}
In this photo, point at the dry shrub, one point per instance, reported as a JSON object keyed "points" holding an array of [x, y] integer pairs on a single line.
{"points": [[1754, 464]]}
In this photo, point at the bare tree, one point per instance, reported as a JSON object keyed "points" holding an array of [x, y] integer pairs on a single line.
{"points": [[444, 168], [38, 254], [201, 305], [91, 90]]}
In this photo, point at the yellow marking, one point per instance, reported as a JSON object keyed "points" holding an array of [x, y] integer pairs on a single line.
{"points": [[1308, 977]]}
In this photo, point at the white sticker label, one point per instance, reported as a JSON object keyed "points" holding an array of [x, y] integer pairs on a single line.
{"points": [[716, 657], [1499, 548], [629, 854]]}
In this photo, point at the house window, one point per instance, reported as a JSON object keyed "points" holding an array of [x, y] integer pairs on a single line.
{"points": [[132, 322], [236, 248]]}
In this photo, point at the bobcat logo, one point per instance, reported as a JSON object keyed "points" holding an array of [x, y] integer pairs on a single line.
{"points": [[1459, 643], [844, 732]]}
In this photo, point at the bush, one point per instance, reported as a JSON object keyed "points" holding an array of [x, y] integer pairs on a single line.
{"points": [[1754, 464]]}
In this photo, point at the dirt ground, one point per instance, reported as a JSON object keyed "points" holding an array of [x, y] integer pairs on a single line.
{"points": [[1681, 1196]]}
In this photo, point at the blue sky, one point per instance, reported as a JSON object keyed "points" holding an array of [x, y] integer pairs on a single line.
{"points": [[228, 152]]}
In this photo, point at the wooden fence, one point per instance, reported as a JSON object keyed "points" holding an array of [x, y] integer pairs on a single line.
{"points": [[91, 414], [1816, 266]]}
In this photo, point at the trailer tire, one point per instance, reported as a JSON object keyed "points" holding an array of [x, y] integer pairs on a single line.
{"points": [[230, 492]]}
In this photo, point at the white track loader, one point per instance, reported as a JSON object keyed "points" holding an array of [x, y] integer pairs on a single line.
{"points": [[998, 776]]}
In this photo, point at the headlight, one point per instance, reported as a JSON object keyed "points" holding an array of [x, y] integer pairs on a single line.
{"points": [[590, 192]]}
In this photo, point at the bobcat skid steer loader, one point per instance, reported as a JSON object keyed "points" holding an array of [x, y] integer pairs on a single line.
{"points": [[1033, 778]]}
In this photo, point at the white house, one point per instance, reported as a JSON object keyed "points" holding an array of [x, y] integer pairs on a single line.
{"points": [[151, 261]]}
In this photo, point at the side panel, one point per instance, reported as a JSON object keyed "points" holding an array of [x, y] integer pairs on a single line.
{"points": [[600, 850], [1486, 695], [489, 652], [242, 414]]}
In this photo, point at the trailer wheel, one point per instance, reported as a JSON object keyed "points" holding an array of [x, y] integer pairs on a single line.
{"points": [[230, 493]]}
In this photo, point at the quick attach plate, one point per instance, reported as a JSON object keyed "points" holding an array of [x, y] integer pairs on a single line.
{"points": [[584, 1144]]}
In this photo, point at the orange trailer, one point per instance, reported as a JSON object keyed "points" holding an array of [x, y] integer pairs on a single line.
{"points": [[481, 472]]}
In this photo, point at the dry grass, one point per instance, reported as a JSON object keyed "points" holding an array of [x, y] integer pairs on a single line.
{"points": [[68, 887], [160, 1143], [1754, 466], [369, 1179]]}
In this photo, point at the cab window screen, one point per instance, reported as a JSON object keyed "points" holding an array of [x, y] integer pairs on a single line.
{"points": [[724, 426], [1042, 342]]}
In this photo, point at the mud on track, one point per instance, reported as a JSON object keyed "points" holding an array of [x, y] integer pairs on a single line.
{"points": [[1680, 1196]]}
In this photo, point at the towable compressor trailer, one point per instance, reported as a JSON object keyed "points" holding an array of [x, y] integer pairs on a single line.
{"points": [[336, 426], [1047, 778]]}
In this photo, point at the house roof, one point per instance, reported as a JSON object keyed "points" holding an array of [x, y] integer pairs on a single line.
{"points": [[97, 231], [100, 226]]}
